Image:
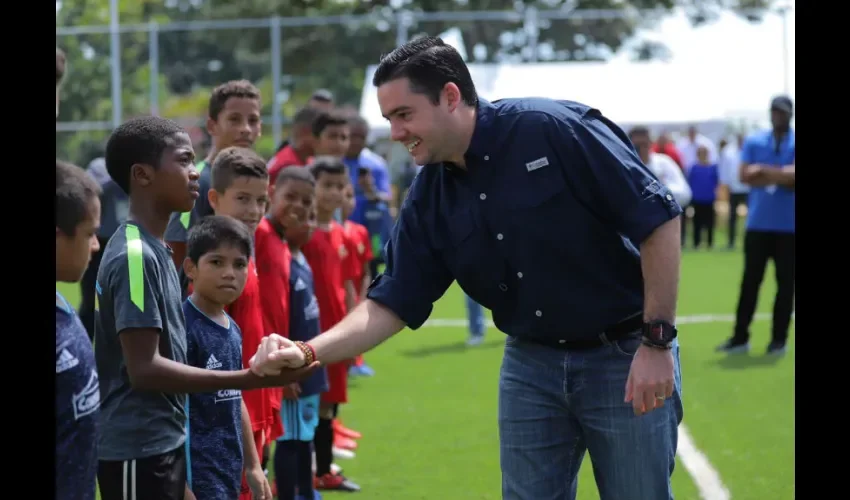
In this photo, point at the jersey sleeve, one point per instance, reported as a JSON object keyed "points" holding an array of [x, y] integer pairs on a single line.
{"points": [[135, 289], [368, 256], [192, 345], [351, 262]]}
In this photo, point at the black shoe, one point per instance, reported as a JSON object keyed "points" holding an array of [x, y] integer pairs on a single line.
{"points": [[733, 346], [776, 349]]}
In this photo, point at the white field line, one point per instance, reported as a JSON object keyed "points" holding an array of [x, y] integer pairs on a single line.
{"points": [[682, 320], [705, 476]]}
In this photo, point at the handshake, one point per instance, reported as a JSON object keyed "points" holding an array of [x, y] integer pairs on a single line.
{"points": [[277, 353]]}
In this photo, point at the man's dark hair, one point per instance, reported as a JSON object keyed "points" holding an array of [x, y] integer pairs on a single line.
{"points": [[234, 88], [138, 140], [327, 119], [75, 189], [60, 65], [294, 173], [429, 64], [232, 163], [216, 231], [330, 165]]}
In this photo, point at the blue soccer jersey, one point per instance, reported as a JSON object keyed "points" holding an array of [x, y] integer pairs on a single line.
{"points": [[214, 428], [77, 405], [304, 317]]}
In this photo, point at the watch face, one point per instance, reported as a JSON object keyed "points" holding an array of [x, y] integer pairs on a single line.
{"points": [[656, 332]]}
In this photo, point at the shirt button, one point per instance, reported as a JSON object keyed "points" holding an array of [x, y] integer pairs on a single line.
{"points": [[669, 196], [519, 275], [562, 341], [482, 196], [503, 287], [538, 313], [486, 157], [500, 237]]}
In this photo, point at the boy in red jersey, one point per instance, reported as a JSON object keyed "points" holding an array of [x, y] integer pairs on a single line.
{"points": [[290, 202], [360, 246], [327, 253], [239, 188]]}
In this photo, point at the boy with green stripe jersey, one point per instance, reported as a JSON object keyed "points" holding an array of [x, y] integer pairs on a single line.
{"points": [[140, 332], [233, 119]]}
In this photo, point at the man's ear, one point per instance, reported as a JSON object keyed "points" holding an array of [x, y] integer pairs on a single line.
{"points": [[190, 268]]}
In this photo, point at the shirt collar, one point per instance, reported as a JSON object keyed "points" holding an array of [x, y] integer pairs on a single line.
{"points": [[485, 119]]}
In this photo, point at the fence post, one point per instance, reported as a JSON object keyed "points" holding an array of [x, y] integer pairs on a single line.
{"points": [[115, 56], [401, 29], [274, 32], [153, 56]]}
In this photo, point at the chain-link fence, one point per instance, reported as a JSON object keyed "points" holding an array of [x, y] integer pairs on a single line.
{"points": [[120, 70]]}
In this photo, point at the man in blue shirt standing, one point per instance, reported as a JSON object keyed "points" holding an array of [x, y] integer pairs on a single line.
{"points": [[767, 165], [544, 214]]}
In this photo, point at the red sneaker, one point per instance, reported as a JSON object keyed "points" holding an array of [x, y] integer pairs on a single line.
{"points": [[345, 443], [334, 482], [341, 430]]}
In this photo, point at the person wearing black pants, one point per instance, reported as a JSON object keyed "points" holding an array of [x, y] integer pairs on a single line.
{"points": [[735, 200], [87, 289], [703, 220], [768, 166]]}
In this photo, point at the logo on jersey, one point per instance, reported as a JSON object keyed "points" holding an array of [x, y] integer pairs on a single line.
{"points": [[343, 252], [87, 401], [308, 412], [300, 285], [361, 248], [213, 363], [311, 312], [538, 163], [227, 395], [65, 361]]}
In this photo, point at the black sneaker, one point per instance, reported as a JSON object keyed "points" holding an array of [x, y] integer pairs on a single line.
{"points": [[733, 346], [776, 349]]}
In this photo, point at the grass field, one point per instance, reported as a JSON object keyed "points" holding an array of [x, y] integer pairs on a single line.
{"points": [[428, 417]]}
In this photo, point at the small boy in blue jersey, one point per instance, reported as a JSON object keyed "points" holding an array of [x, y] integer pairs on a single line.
{"points": [[77, 388], [219, 442], [375, 215], [300, 413]]}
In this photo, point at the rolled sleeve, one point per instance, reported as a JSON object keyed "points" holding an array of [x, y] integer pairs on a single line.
{"points": [[613, 181], [413, 278]]}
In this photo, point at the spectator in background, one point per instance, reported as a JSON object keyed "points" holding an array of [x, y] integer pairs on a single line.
{"points": [[662, 165], [298, 150], [768, 165], [359, 156], [665, 146], [687, 148], [704, 179], [729, 162], [114, 209], [322, 99]]}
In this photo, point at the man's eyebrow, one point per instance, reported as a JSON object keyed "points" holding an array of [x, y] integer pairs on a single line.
{"points": [[396, 111]]}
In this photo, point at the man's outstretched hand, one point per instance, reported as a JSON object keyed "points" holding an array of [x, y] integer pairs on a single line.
{"points": [[274, 360]]}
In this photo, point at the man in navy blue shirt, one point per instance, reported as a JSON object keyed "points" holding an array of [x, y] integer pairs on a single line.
{"points": [[767, 165], [543, 213]]}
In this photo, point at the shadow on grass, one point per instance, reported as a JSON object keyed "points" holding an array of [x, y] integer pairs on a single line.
{"points": [[455, 347], [744, 361]]}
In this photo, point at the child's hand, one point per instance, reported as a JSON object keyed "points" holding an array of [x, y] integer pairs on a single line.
{"points": [[258, 483]]}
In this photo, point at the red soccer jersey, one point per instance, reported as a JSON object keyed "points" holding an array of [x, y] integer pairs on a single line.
{"points": [[246, 311], [359, 252], [273, 261], [327, 253], [286, 157]]}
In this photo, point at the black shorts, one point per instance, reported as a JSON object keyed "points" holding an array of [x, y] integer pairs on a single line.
{"points": [[160, 477]]}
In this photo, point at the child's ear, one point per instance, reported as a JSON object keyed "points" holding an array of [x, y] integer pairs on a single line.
{"points": [[143, 174], [212, 196], [190, 268]]}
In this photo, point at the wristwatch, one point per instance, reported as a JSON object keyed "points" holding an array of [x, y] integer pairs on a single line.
{"points": [[659, 334]]}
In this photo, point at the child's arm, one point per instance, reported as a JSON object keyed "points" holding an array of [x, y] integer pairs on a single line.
{"points": [[187, 494], [349, 295], [254, 475]]}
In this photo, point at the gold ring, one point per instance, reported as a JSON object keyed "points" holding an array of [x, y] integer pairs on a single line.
{"points": [[662, 398]]}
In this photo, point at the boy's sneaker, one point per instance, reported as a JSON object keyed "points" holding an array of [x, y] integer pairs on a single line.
{"points": [[733, 346], [335, 482], [776, 349], [363, 370], [342, 453], [345, 443], [341, 430]]}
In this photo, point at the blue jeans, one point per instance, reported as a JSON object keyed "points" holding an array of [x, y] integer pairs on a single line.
{"points": [[554, 405], [475, 313]]}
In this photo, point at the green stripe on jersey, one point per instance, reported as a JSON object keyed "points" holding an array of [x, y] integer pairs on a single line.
{"points": [[184, 217], [136, 266]]}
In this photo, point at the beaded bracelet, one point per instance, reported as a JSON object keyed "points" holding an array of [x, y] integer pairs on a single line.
{"points": [[309, 352]]}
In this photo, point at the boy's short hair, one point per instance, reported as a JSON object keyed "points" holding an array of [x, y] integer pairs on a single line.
{"points": [[330, 165], [60, 65], [327, 119], [234, 162], [295, 173], [305, 117], [74, 191], [215, 231], [234, 88], [138, 140]]}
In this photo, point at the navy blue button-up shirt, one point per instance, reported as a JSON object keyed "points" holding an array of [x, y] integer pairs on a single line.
{"points": [[542, 227]]}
